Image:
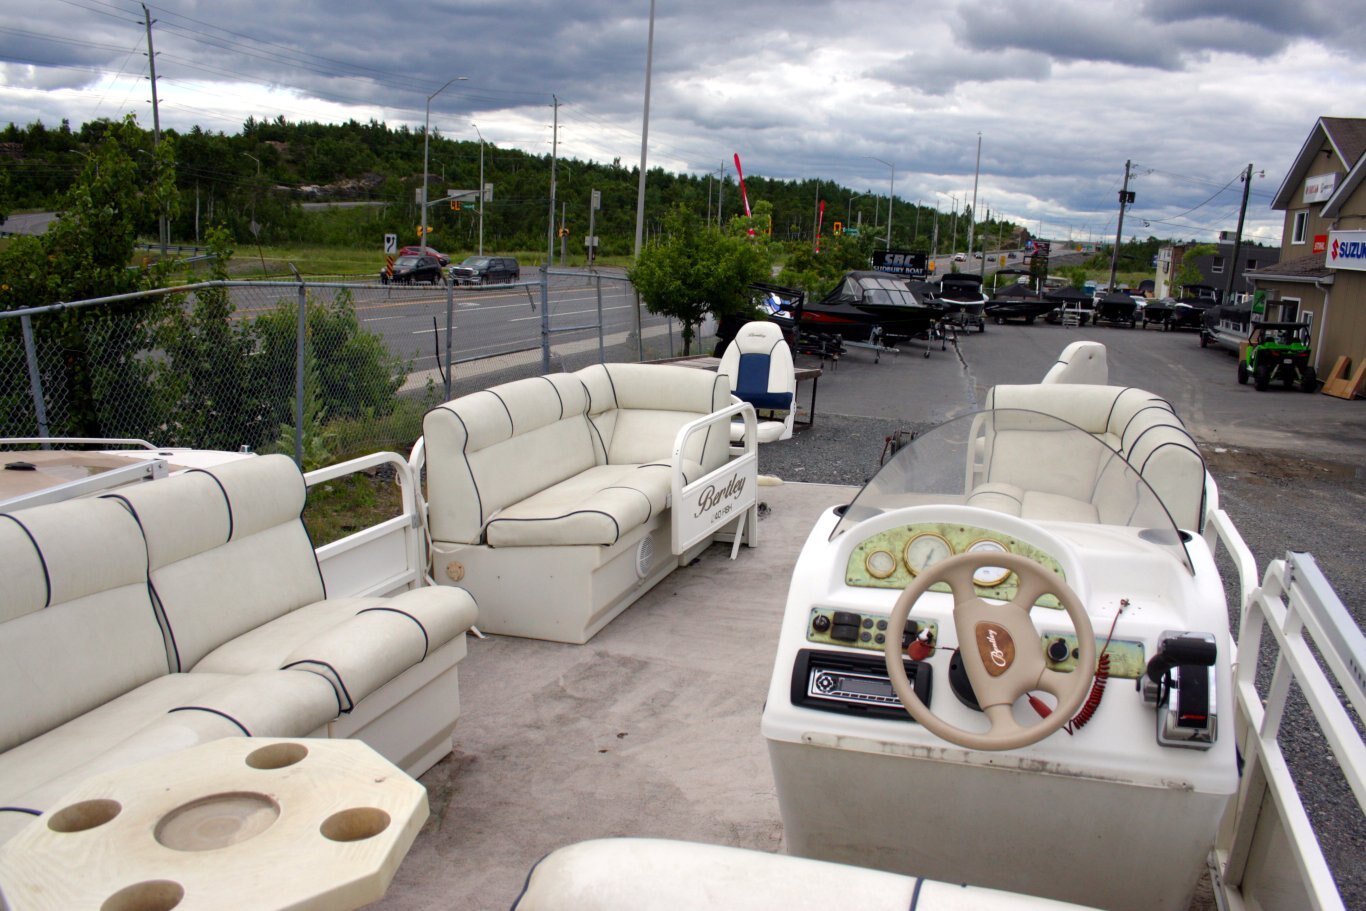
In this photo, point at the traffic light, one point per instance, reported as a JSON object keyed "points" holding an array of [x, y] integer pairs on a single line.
{"points": [[837, 228], [455, 205]]}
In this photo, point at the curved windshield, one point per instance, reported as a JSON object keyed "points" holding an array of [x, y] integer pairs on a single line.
{"points": [[476, 262], [1023, 463]]}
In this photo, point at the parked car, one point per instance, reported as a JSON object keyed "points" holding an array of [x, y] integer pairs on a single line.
{"points": [[960, 257], [442, 258], [410, 269], [486, 270]]}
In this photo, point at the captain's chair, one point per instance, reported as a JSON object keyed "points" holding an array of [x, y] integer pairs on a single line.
{"points": [[758, 365]]}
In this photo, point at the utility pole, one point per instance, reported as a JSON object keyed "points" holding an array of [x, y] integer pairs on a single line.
{"points": [[644, 135], [1238, 236], [163, 229], [483, 193], [720, 191], [972, 222], [554, 157], [1124, 199]]}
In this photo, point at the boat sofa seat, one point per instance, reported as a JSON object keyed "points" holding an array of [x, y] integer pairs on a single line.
{"points": [[1035, 474], [190, 608], [548, 497], [655, 874]]}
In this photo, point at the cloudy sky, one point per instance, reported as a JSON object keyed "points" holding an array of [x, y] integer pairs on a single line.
{"points": [[1062, 92]]}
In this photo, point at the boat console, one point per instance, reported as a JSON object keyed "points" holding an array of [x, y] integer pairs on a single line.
{"points": [[1015, 685]]}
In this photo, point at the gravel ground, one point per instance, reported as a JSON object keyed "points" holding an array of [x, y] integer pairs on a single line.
{"points": [[1305, 491]]}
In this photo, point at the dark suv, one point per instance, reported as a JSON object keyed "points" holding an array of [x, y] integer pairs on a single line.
{"points": [[411, 269], [486, 270]]}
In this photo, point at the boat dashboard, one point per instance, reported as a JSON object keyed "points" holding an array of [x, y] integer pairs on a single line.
{"points": [[1146, 590]]}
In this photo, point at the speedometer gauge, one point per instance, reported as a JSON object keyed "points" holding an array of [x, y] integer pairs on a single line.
{"points": [[988, 576], [924, 550], [880, 564]]}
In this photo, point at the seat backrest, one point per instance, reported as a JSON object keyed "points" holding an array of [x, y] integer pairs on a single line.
{"points": [[638, 409], [1139, 425], [227, 550], [758, 365], [77, 624], [1080, 362], [490, 449]]}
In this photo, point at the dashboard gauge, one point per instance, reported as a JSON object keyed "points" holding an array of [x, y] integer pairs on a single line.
{"points": [[880, 564], [988, 576], [925, 550]]}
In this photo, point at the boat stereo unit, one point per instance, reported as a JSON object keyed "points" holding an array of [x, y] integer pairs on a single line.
{"points": [[854, 684]]}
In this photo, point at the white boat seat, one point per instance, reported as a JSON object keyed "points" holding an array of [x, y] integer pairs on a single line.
{"points": [[648, 874], [1080, 362], [189, 608], [758, 366], [1137, 425], [579, 466]]}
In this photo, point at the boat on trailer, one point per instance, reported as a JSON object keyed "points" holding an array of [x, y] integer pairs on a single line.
{"points": [[980, 576]]}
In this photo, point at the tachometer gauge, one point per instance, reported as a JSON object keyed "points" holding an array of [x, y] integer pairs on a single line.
{"points": [[880, 564], [988, 576], [925, 550]]}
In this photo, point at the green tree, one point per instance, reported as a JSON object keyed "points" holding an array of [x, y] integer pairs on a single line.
{"points": [[816, 273], [205, 377], [86, 253], [694, 270]]}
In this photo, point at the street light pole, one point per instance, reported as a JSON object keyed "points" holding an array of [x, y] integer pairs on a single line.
{"points": [[891, 189], [482, 200], [644, 134], [426, 153]]}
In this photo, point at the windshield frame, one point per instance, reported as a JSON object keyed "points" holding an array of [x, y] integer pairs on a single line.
{"points": [[935, 468]]}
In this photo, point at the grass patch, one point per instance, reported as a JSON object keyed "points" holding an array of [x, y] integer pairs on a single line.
{"points": [[347, 505]]}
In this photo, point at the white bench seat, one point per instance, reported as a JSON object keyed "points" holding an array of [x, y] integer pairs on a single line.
{"points": [[181, 610], [548, 498]]}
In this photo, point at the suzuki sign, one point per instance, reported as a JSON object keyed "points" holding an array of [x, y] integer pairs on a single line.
{"points": [[1347, 250]]}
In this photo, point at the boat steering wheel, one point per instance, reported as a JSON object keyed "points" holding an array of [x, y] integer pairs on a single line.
{"points": [[1001, 650]]}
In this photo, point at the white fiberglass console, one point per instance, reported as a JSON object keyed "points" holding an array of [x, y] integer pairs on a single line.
{"points": [[1115, 797]]}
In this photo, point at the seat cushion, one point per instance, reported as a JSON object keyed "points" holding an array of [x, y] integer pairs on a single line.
{"points": [[77, 624], [597, 506], [381, 641], [279, 703], [172, 713]]}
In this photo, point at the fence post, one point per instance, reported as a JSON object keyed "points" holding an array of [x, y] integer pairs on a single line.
{"points": [[602, 330], [299, 376], [545, 318], [35, 381], [450, 332], [640, 330]]}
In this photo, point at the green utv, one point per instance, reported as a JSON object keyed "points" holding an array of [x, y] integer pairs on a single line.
{"points": [[1278, 351]]}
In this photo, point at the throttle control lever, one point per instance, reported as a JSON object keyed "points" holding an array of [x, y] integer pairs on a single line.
{"points": [[1180, 684]]}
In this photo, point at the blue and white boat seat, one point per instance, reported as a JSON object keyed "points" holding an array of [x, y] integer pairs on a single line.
{"points": [[758, 365]]}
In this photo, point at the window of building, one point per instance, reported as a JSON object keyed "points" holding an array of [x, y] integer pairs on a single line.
{"points": [[1301, 223], [1252, 264], [1290, 310], [1217, 267]]}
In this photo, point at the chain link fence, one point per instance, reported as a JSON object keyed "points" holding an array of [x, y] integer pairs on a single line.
{"points": [[220, 365]]}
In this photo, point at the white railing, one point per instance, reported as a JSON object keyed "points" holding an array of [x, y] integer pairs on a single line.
{"points": [[1295, 605], [384, 558]]}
